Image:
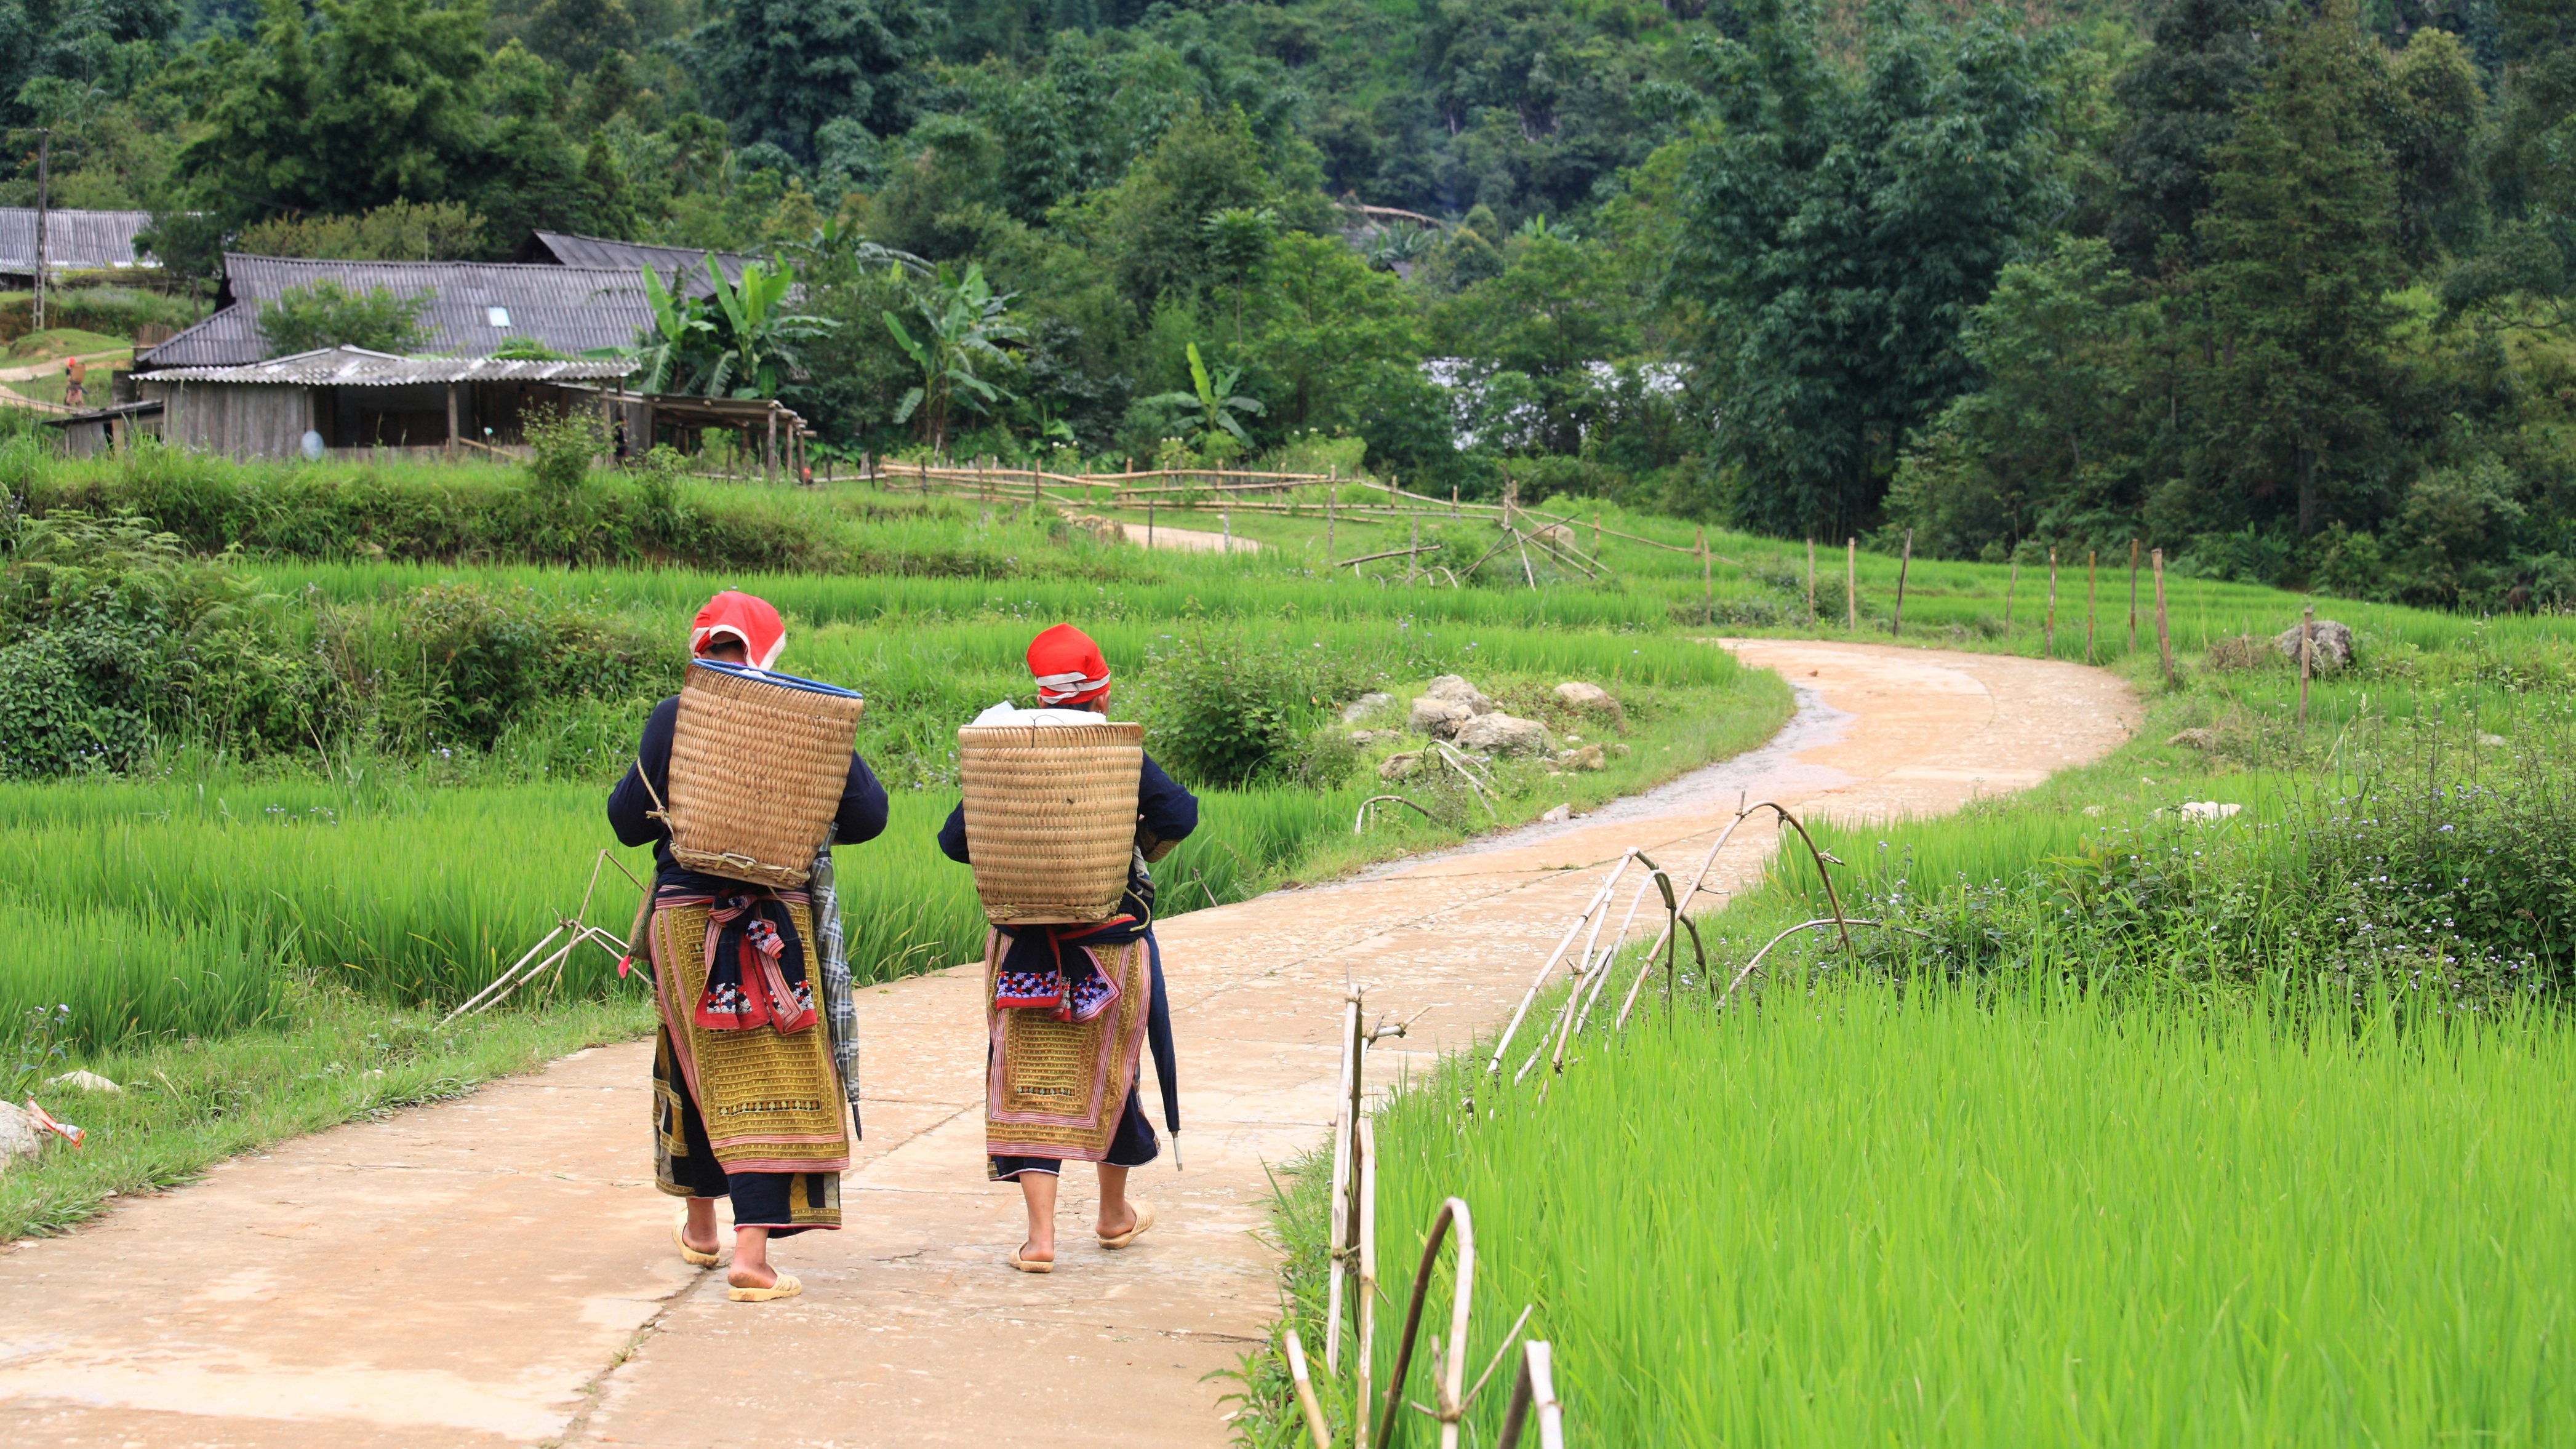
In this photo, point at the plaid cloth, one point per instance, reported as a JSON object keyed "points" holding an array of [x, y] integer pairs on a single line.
{"points": [[839, 1014]]}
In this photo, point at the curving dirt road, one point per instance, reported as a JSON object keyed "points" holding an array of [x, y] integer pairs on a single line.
{"points": [[498, 1270]]}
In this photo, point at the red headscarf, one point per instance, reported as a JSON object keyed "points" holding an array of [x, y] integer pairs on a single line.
{"points": [[1068, 667], [735, 614]]}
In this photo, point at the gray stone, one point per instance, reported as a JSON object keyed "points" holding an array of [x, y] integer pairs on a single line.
{"points": [[1438, 718], [1504, 735], [20, 1138], [1397, 767], [1451, 687], [1580, 695], [1359, 708], [1587, 758], [1558, 816], [2331, 647]]}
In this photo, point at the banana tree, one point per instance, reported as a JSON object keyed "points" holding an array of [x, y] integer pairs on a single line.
{"points": [[673, 348], [965, 324], [1216, 402], [756, 338]]}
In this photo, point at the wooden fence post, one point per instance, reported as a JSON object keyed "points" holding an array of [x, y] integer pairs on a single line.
{"points": [[1707, 603], [1328, 517], [2012, 578], [2164, 635], [1896, 621], [2048, 632], [2091, 558], [1149, 522], [1851, 584], [1811, 569]]}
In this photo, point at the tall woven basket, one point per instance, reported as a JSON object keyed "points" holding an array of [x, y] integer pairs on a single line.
{"points": [[758, 763], [1050, 817]]}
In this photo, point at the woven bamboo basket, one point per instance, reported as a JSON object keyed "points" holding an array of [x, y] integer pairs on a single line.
{"points": [[758, 763], [1050, 818]]}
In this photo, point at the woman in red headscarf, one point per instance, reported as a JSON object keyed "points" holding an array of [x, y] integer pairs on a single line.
{"points": [[785, 1144], [1057, 969]]}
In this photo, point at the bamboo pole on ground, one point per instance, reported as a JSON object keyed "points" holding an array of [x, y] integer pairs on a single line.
{"points": [[2164, 634], [2048, 632], [1896, 621], [1851, 584], [2133, 596]]}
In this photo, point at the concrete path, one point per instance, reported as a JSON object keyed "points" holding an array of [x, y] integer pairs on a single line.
{"points": [[498, 1270]]}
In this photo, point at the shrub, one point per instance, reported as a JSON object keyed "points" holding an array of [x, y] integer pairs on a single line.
{"points": [[1224, 711], [327, 314], [565, 443]]}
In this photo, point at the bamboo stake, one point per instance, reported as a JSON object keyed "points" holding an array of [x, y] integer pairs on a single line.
{"points": [[2048, 631], [1706, 604], [2164, 635], [1329, 491], [2012, 580], [1367, 1357], [1452, 1213], [2307, 641], [1338, 1242], [2091, 557], [1811, 581], [1314, 1412], [1534, 1394], [1851, 584], [1896, 621], [1413, 549], [2133, 596]]}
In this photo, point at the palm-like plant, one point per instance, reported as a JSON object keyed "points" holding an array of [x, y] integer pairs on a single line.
{"points": [[834, 254], [964, 324], [1215, 400], [734, 342], [1401, 244], [1238, 239]]}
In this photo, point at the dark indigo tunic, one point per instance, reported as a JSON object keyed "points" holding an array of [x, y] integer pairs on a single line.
{"points": [[862, 815]]}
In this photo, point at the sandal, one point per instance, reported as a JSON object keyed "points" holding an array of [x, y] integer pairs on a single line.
{"points": [[1144, 1220], [1029, 1265], [787, 1286], [689, 1255]]}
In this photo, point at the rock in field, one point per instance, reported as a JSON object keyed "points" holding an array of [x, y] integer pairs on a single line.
{"points": [[2331, 649], [1397, 767], [1438, 718], [1558, 815], [1580, 695], [1587, 758], [1452, 687], [85, 1082], [20, 1139], [1504, 735], [2207, 810], [1358, 709]]}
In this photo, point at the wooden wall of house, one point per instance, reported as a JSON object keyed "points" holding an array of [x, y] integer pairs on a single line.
{"points": [[237, 420]]}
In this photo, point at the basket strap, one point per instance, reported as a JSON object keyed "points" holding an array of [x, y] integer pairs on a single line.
{"points": [[659, 811]]}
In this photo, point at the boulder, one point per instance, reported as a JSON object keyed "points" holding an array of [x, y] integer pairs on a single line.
{"points": [[1503, 734], [1579, 695], [1438, 718], [1587, 758], [1359, 708], [1451, 687], [1397, 767], [1557, 816], [2331, 648], [20, 1138]]}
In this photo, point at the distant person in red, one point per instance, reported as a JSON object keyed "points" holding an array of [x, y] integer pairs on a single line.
{"points": [[75, 374], [1078, 975], [748, 1101]]}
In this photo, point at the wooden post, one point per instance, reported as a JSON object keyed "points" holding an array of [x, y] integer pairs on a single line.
{"points": [[1851, 584], [1896, 621], [2091, 557], [1707, 605], [1033, 492], [451, 422], [1413, 560], [2133, 596], [2012, 578], [1225, 511], [2164, 635], [769, 455], [1453, 500], [2048, 631], [2307, 641], [1149, 522], [1811, 575], [1596, 533], [1328, 515]]}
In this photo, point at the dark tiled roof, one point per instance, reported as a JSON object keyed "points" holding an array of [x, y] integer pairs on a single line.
{"points": [[74, 240], [358, 367], [566, 249], [475, 307]]}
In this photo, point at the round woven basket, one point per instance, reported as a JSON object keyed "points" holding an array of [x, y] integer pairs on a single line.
{"points": [[758, 763], [1050, 817]]}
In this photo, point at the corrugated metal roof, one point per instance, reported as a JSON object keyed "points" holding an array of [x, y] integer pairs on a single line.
{"points": [[75, 240], [358, 367], [569, 249], [475, 307]]}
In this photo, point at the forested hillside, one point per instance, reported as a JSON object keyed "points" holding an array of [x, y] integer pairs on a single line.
{"points": [[2282, 288]]}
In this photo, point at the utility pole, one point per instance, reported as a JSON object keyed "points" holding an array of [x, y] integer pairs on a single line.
{"points": [[44, 158]]}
